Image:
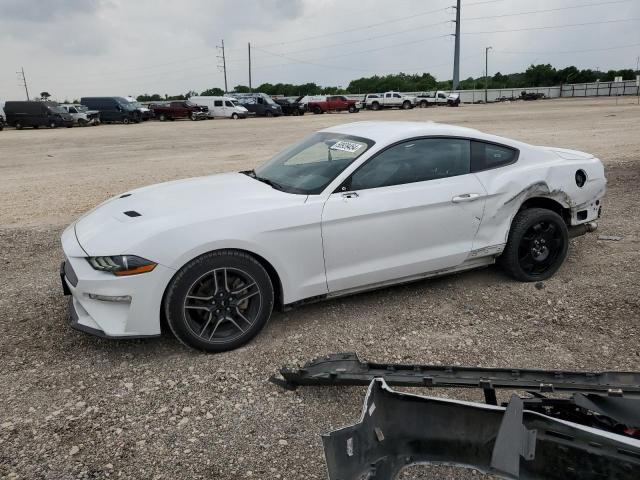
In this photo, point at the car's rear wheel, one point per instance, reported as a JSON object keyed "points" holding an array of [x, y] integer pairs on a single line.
{"points": [[406, 105], [424, 104], [162, 117], [537, 245], [269, 114], [53, 125], [219, 301], [125, 120]]}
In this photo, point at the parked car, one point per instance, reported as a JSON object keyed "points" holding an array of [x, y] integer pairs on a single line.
{"points": [[290, 107], [350, 208], [112, 109], [223, 107], [144, 112], [179, 109], [524, 95], [82, 116], [377, 101], [259, 104], [36, 114], [334, 103], [438, 98]]}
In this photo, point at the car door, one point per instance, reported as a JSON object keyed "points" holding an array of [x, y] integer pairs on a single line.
{"points": [[411, 209]]}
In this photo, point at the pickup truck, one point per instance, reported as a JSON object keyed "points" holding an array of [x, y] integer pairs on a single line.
{"points": [[376, 101], [336, 103], [438, 98], [180, 109]]}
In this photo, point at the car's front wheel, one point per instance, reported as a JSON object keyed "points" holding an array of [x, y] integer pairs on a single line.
{"points": [[219, 301], [537, 245]]}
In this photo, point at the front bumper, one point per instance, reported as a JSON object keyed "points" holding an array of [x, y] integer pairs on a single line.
{"points": [[109, 306]]}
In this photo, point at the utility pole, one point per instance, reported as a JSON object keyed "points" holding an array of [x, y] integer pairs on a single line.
{"points": [[23, 81], [249, 45], [486, 73], [456, 53], [224, 66]]}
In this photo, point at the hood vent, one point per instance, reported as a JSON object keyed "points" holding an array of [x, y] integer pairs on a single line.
{"points": [[132, 213]]}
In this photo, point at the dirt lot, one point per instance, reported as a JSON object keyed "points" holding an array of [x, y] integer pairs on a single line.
{"points": [[73, 406]]}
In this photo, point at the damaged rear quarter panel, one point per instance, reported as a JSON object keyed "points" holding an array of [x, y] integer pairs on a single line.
{"points": [[539, 172]]}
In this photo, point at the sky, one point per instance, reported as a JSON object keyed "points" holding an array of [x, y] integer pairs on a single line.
{"points": [[75, 48]]}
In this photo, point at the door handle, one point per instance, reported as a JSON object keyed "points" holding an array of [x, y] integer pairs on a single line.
{"points": [[466, 197], [350, 195]]}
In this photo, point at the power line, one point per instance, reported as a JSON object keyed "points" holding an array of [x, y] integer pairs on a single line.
{"points": [[549, 27], [560, 52], [546, 10], [350, 30]]}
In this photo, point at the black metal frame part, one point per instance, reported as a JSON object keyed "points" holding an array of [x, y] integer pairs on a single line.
{"points": [[400, 429], [348, 369]]}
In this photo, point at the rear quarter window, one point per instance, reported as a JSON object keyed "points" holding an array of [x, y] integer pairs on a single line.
{"points": [[485, 156]]}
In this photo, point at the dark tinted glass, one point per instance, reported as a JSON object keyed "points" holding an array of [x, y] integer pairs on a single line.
{"points": [[485, 156], [217, 103], [414, 161]]}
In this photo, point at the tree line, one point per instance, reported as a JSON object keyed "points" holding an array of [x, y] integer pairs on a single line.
{"points": [[542, 75]]}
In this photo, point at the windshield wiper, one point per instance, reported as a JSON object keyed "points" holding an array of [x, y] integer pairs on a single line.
{"points": [[271, 183]]}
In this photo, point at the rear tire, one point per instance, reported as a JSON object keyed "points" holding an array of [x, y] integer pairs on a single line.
{"points": [[537, 245], [125, 121], [162, 117], [424, 104], [219, 301], [53, 125], [317, 110], [18, 125], [268, 114], [406, 105]]}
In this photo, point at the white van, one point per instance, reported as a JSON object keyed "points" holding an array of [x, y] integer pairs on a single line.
{"points": [[226, 107]]}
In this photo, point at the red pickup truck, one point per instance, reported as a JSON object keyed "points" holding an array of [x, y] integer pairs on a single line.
{"points": [[336, 103], [181, 109]]}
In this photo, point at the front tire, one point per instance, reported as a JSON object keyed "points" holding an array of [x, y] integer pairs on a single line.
{"points": [[125, 121], [219, 301], [537, 245], [235, 116], [375, 106]]}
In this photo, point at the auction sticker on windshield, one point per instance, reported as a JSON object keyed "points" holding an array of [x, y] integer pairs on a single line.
{"points": [[346, 146]]}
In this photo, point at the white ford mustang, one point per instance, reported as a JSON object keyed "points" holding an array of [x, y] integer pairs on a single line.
{"points": [[350, 208]]}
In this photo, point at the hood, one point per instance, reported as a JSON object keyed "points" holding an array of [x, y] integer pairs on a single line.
{"points": [[120, 224]]}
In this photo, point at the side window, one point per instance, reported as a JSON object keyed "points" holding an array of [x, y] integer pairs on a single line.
{"points": [[227, 103], [442, 95], [217, 103], [396, 95], [387, 95], [485, 156], [414, 161]]}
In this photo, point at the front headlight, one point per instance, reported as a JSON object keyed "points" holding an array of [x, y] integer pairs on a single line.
{"points": [[122, 265]]}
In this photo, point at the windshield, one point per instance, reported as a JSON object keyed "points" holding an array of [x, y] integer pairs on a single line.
{"points": [[269, 100], [57, 109], [81, 108], [235, 103], [309, 166]]}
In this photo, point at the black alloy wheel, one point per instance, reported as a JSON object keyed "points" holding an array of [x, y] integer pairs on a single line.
{"points": [[537, 245], [219, 301]]}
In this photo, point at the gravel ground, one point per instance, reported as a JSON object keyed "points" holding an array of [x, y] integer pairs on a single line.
{"points": [[73, 406]]}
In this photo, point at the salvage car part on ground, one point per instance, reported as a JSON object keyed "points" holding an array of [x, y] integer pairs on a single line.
{"points": [[594, 433], [397, 430]]}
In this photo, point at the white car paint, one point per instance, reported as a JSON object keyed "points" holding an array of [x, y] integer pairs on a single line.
{"points": [[221, 107], [332, 243]]}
